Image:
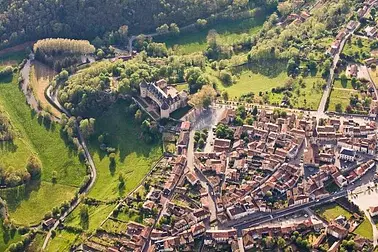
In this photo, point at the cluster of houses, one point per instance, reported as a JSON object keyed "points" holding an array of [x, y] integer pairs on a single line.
{"points": [[336, 229], [264, 161], [297, 19], [133, 238], [259, 169]]}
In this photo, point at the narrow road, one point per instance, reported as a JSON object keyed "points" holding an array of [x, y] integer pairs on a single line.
{"points": [[328, 88], [203, 121], [52, 97], [248, 222]]}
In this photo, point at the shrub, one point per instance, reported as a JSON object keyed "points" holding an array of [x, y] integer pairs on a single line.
{"points": [[6, 72]]}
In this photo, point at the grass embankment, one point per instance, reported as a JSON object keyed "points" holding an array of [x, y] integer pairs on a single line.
{"points": [[29, 205], [374, 75], [37, 243], [134, 158]]}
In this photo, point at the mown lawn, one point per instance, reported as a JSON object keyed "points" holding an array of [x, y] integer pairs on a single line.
{"points": [[183, 86], [365, 229], [62, 241], [7, 238], [134, 158], [332, 211], [96, 215], [29, 206]]}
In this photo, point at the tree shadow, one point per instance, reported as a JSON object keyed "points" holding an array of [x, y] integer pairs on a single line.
{"points": [[313, 72], [121, 189], [84, 224], [344, 82], [112, 167], [33, 113], [6, 79], [269, 69], [14, 196], [8, 146]]}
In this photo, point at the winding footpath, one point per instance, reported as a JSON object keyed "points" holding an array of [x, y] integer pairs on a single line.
{"points": [[51, 96]]}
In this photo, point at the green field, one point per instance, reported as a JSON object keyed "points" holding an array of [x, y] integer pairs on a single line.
{"points": [[134, 158], [30, 205], [62, 241], [332, 211], [7, 237], [341, 93], [365, 229], [46, 142], [340, 96], [357, 51], [254, 82], [307, 97], [113, 226], [342, 84], [96, 215], [34, 137], [230, 32]]}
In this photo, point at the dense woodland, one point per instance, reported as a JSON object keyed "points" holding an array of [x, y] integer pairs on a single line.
{"points": [[22, 21]]}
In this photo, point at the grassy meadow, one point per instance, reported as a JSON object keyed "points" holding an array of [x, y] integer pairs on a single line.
{"points": [[134, 158], [230, 32], [45, 142], [96, 215]]}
